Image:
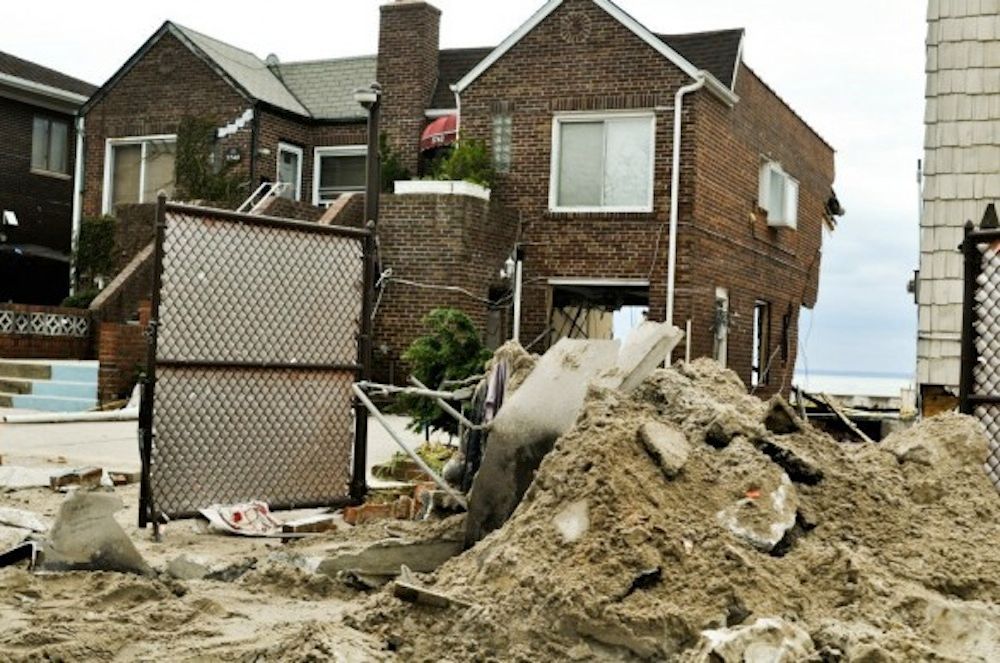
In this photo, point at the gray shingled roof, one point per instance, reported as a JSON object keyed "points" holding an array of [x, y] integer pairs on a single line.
{"points": [[326, 87], [453, 64], [14, 66], [716, 52], [246, 69]]}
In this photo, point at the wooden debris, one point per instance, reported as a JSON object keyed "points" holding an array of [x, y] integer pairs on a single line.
{"points": [[322, 522], [84, 477], [122, 478]]}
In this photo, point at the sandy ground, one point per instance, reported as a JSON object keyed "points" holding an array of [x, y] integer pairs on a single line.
{"points": [[267, 607]]}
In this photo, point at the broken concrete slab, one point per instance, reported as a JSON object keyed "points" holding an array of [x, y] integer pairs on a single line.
{"points": [[86, 537], [186, 568], [27, 520], [667, 445], [766, 514], [86, 477], [800, 467], [13, 477], [728, 424], [645, 349], [767, 640], [407, 588], [385, 557], [781, 419]]}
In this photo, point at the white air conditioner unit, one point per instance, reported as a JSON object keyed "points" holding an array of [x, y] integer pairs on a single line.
{"points": [[9, 218], [779, 196]]}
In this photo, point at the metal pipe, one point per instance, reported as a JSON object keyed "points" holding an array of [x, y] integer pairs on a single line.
{"points": [[687, 342], [413, 391], [458, 416], [518, 285], [359, 392], [124, 414], [973, 266], [77, 204], [675, 183]]}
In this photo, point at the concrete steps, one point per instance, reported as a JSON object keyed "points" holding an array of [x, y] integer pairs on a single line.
{"points": [[48, 385]]}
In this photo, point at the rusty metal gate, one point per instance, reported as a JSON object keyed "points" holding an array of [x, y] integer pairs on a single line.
{"points": [[979, 391], [260, 327]]}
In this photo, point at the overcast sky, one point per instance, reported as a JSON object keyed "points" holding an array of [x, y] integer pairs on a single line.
{"points": [[853, 69]]}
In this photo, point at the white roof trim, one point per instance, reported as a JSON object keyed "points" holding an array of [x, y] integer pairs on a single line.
{"points": [[622, 17], [55, 93], [739, 60]]}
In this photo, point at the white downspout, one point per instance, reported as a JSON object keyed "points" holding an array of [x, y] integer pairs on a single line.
{"points": [[675, 183], [77, 204]]}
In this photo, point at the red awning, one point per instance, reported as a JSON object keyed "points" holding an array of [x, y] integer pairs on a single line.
{"points": [[442, 131]]}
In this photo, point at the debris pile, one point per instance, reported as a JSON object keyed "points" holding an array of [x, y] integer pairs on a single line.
{"points": [[688, 520]]}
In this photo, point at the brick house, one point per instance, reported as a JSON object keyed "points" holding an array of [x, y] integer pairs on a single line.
{"points": [[37, 143], [577, 108]]}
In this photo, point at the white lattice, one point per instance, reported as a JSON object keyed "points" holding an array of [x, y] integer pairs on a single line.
{"points": [[43, 324], [986, 374]]}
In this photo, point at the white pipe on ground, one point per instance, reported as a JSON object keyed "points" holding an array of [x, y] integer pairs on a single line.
{"points": [[675, 183], [124, 414]]}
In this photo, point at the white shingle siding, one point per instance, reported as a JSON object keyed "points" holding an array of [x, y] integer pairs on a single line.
{"points": [[961, 167]]}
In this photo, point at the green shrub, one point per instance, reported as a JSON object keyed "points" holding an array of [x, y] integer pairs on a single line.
{"points": [[451, 350], [467, 160], [95, 252], [197, 173], [392, 168], [81, 299]]}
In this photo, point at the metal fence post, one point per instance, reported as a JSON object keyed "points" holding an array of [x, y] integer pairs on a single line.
{"points": [[973, 267], [359, 479]]}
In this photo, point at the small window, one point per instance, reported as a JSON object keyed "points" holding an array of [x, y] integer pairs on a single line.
{"points": [[290, 170], [720, 346], [761, 360], [779, 196], [138, 170], [502, 138], [50, 145], [338, 170], [602, 164]]}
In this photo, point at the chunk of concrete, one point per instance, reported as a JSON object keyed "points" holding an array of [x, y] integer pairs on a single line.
{"points": [[800, 467], [13, 477], [22, 519], [88, 477], [526, 428], [667, 445], [573, 521], [646, 348], [767, 640], [185, 568], [385, 557], [766, 514], [86, 537], [729, 424], [781, 418]]}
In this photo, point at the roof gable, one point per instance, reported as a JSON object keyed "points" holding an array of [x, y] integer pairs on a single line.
{"points": [[658, 44]]}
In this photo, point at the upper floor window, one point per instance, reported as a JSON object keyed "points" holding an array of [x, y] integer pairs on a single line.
{"points": [[137, 169], [338, 170], [778, 196], [602, 163], [50, 146]]}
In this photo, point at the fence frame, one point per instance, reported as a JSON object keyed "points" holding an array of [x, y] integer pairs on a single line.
{"points": [[968, 398], [148, 512]]}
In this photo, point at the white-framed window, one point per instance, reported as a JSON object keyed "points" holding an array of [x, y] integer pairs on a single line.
{"points": [[602, 162], [778, 195], [338, 170], [50, 146], [289, 170], [137, 168], [760, 361]]}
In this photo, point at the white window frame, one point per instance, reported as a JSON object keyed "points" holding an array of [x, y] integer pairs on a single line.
{"points": [[332, 151], [789, 216], [558, 120], [721, 340], [109, 161], [296, 150]]}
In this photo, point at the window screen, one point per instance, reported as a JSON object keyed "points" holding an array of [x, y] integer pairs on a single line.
{"points": [[338, 174], [605, 163], [159, 176], [126, 162], [49, 145]]}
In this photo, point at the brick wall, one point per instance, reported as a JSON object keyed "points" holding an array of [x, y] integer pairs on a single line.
{"points": [[42, 202], [435, 240], [43, 346], [122, 352], [168, 84], [408, 72]]}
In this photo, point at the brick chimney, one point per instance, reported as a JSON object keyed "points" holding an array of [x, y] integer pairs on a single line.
{"points": [[408, 43]]}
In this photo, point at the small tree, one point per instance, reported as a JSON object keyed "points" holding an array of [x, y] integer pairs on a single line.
{"points": [[451, 350], [197, 174]]}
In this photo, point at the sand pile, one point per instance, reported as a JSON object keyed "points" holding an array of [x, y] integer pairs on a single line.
{"points": [[785, 546]]}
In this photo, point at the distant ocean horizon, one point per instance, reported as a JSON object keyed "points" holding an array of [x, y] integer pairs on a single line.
{"points": [[839, 382]]}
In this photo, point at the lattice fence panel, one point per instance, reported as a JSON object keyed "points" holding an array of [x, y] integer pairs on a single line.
{"points": [[986, 374], [257, 349]]}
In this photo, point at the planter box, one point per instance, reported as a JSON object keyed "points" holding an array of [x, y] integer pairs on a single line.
{"points": [[441, 188]]}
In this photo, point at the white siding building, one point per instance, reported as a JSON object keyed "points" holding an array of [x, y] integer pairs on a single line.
{"points": [[961, 171]]}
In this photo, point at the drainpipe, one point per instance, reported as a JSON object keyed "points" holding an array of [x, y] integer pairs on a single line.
{"points": [[77, 204], [675, 183], [458, 113]]}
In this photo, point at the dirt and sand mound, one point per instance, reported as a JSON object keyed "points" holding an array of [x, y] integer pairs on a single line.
{"points": [[783, 545]]}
